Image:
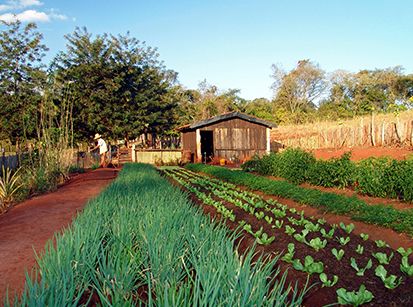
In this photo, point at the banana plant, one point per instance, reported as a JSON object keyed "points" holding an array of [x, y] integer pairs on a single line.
{"points": [[360, 271], [289, 256], [382, 258], [360, 249], [326, 282], [391, 281], [326, 234], [338, 253], [347, 228], [405, 267], [309, 266], [362, 296]]}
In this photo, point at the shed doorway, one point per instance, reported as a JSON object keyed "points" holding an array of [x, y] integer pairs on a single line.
{"points": [[207, 146]]}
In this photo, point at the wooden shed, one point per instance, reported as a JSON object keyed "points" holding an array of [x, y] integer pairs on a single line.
{"points": [[232, 136]]}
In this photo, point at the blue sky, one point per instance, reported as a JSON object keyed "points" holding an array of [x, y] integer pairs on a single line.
{"points": [[232, 44]]}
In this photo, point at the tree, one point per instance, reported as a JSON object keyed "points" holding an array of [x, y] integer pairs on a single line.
{"points": [[298, 90], [121, 87], [22, 79]]}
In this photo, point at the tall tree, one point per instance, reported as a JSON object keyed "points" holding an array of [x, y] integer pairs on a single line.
{"points": [[298, 90], [21, 79], [121, 87]]}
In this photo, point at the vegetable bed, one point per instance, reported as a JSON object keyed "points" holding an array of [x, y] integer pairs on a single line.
{"points": [[141, 242], [349, 269]]}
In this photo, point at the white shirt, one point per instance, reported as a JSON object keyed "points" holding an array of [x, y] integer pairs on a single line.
{"points": [[102, 146]]}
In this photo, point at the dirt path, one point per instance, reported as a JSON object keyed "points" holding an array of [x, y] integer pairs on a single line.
{"points": [[29, 225]]}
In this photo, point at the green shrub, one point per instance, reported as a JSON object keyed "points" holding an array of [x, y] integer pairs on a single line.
{"points": [[335, 172]]}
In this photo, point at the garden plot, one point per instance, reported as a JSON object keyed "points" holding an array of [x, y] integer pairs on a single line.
{"points": [[349, 268]]}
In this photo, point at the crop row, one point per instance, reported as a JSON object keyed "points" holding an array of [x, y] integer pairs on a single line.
{"points": [[142, 242], [357, 209], [315, 242], [381, 177]]}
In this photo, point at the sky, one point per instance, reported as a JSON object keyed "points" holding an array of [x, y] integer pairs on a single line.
{"points": [[232, 44]]}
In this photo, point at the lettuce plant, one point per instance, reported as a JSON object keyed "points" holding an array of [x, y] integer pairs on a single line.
{"points": [[382, 258], [278, 223], [326, 234], [405, 267], [268, 219], [289, 230], [390, 282], [265, 239], [354, 298], [338, 253], [364, 236], [309, 266], [288, 257], [317, 244], [403, 252], [360, 271], [343, 240], [347, 228], [301, 237], [326, 282], [381, 243], [360, 249]]}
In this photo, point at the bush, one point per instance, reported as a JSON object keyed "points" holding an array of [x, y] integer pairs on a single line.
{"points": [[335, 172]]}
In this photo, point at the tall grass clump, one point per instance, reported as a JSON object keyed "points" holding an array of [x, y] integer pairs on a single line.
{"points": [[142, 242]]}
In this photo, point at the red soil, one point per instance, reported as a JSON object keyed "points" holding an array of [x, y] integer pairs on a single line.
{"points": [[359, 153], [27, 227]]}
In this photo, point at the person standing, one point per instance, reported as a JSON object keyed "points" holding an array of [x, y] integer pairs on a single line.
{"points": [[103, 149]]}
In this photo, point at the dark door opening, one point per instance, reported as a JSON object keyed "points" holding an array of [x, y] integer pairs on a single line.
{"points": [[207, 146]]}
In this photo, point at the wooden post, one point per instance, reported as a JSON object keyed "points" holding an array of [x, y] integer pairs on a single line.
{"points": [[198, 157], [268, 141]]}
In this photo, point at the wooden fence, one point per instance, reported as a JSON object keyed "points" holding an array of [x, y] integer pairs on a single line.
{"points": [[157, 156], [373, 130]]}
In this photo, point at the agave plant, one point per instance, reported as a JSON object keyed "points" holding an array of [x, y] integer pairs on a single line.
{"points": [[9, 186]]}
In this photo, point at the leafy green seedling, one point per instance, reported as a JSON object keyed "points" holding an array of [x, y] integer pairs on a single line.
{"points": [[311, 226], [248, 228], [326, 234], [288, 257], [338, 253], [268, 219], [382, 258], [317, 244], [360, 249], [381, 243], [360, 271], [403, 252], [362, 296], [342, 240], [364, 236], [347, 228], [259, 232], [321, 221], [289, 230], [278, 223], [390, 282], [326, 282], [405, 267], [260, 215], [310, 266], [301, 237], [265, 239]]}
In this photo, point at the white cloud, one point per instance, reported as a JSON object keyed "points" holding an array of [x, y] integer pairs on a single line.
{"points": [[26, 16], [19, 4]]}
